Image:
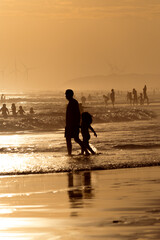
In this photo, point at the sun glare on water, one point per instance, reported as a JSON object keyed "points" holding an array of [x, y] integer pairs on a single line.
{"points": [[10, 161], [9, 140]]}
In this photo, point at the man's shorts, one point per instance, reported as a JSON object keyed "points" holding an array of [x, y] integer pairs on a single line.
{"points": [[71, 132]]}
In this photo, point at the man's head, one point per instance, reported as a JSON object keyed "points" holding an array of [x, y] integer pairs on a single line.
{"points": [[69, 94]]}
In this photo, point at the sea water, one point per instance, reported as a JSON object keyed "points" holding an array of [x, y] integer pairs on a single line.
{"points": [[128, 136]]}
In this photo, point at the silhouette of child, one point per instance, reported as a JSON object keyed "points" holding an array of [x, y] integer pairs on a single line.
{"points": [[21, 111], [4, 110], [85, 126]]}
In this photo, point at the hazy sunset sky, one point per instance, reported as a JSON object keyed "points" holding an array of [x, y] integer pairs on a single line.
{"points": [[65, 39]]}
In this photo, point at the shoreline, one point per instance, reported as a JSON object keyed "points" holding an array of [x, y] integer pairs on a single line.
{"points": [[99, 168]]}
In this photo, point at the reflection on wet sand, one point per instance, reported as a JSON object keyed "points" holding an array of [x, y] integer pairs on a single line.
{"points": [[117, 204], [80, 188]]}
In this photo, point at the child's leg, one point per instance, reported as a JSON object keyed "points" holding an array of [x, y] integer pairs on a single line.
{"points": [[89, 148], [85, 143]]}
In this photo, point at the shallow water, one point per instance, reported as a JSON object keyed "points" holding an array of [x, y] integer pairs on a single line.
{"points": [[124, 144], [120, 142]]}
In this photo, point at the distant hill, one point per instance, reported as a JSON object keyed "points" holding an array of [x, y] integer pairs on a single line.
{"points": [[116, 81]]}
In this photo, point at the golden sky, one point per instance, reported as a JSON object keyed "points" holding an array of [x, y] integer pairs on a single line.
{"points": [[57, 40]]}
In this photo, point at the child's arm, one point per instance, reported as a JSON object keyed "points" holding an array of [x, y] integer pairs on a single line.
{"points": [[95, 134]]}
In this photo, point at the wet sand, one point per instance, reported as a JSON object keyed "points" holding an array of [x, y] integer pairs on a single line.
{"points": [[108, 204]]}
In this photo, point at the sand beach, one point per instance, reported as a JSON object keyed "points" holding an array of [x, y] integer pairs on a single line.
{"points": [[109, 204]]}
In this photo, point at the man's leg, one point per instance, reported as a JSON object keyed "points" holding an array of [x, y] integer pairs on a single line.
{"points": [[77, 140], [83, 148], [69, 145]]}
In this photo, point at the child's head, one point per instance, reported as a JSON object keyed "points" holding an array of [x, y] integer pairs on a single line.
{"points": [[86, 117]]}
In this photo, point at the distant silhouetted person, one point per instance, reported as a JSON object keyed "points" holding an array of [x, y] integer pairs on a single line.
{"points": [[83, 99], [106, 99], [21, 111], [135, 97], [85, 127], [4, 110], [31, 111], [129, 97], [72, 121], [141, 99], [89, 97], [112, 97], [13, 109], [145, 97], [3, 98]]}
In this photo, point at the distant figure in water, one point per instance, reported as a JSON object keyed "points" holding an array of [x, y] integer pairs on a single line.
{"points": [[3, 98], [85, 127], [129, 97], [4, 111], [89, 97], [13, 109], [145, 97], [112, 97], [83, 99], [106, 99], [31, 111], [21, 111], [135, 97], [141, 99], [72, 122]]}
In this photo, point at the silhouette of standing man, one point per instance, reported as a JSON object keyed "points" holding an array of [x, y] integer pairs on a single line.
{"points": [[72, 121], [112, 96]]}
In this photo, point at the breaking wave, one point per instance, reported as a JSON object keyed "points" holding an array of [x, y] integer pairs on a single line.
{"points": [[72, 164], [55, 120], [137, 146]]}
